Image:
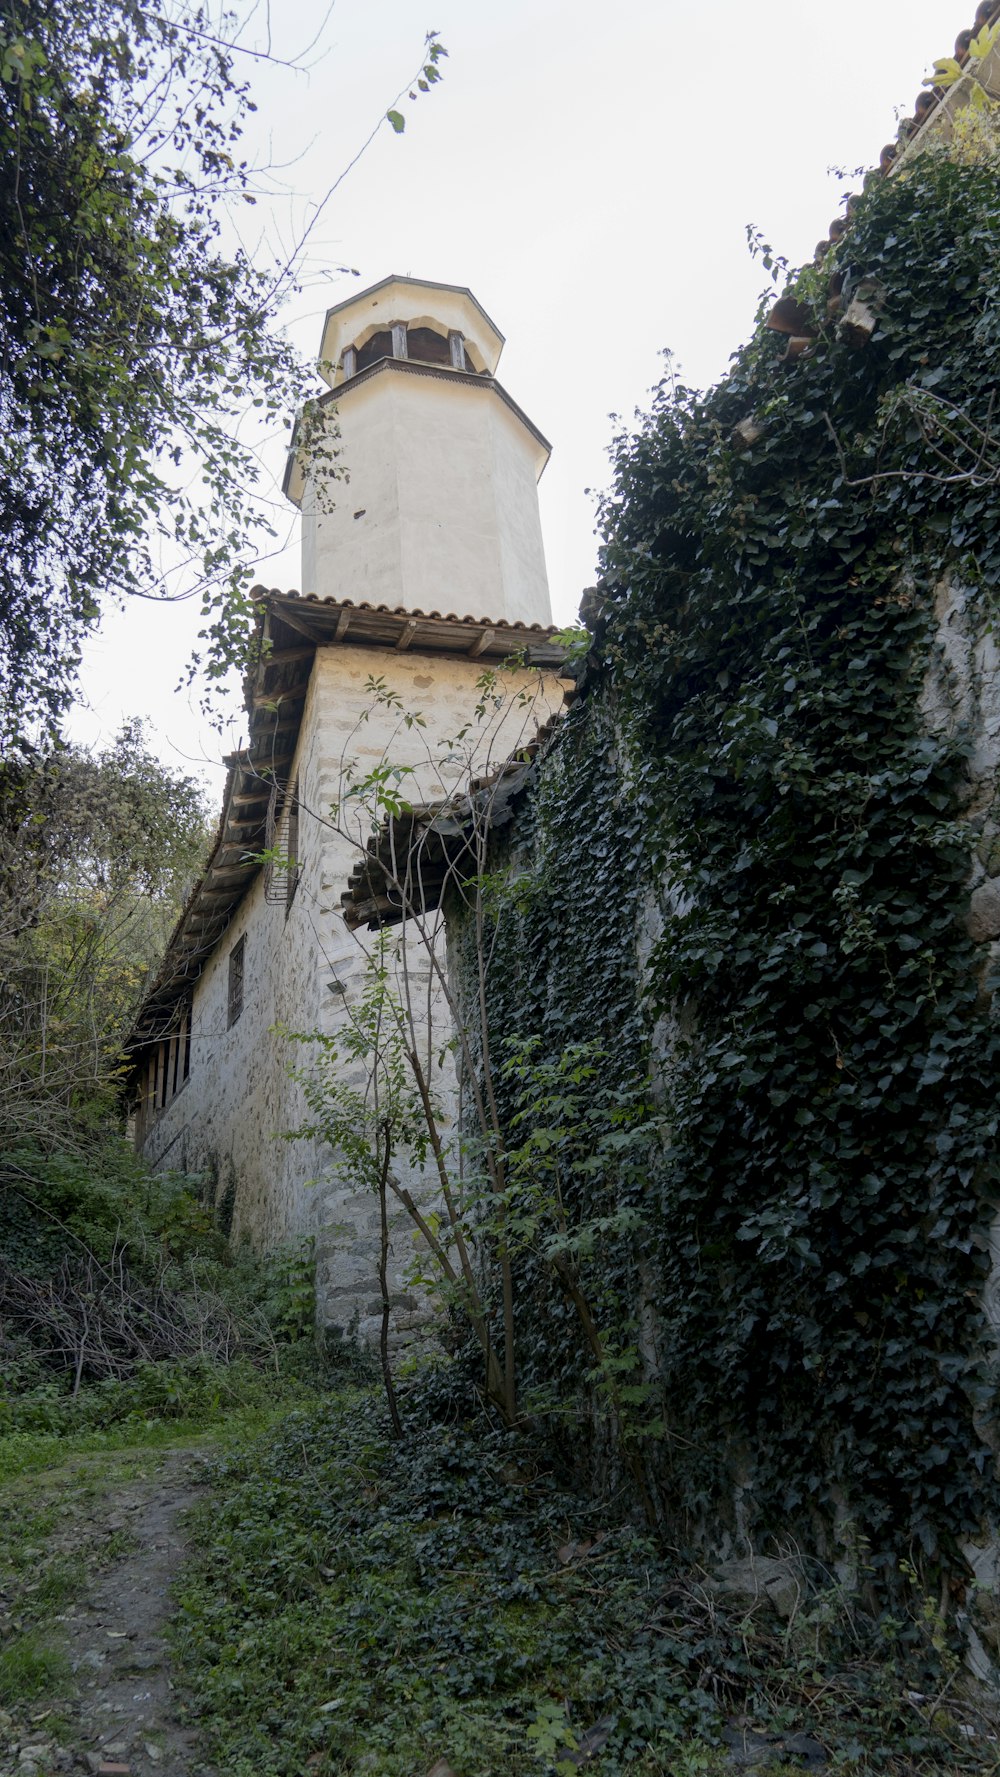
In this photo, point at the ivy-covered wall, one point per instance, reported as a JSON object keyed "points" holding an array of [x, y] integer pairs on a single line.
{"points": [[742, 879]]}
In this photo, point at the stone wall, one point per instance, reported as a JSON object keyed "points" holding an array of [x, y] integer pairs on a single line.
{"points": [[303, 966], [607, 908]]}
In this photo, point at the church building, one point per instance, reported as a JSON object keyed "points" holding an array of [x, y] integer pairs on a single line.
{"points": [[422, 571]]}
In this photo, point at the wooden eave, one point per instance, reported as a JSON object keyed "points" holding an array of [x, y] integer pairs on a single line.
{"points": [[416, 855], [341, 622]]}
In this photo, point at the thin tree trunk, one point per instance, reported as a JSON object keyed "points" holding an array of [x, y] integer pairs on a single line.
{"points": [[383, 1264], [566, 1274]]}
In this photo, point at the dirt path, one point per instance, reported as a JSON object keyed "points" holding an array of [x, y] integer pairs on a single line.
{"points": [[119, 1714]]}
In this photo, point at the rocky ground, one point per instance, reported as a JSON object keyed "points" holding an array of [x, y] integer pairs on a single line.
{"points": [[118, 1716]]}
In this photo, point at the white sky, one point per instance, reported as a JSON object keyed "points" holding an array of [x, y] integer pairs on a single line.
{"points": [[589, 172]]}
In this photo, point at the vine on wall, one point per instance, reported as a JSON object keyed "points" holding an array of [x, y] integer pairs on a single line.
{"points": [[749, 761]]}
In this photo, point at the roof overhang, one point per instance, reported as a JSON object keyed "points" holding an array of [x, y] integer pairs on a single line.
{"points": [[291, 619], [419, 855]]}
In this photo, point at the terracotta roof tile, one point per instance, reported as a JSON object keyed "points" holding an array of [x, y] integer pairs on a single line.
{"points": [[925, 108], [341, 604]]}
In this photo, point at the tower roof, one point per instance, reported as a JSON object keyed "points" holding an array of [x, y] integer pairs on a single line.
{"points": [[415, 301]]}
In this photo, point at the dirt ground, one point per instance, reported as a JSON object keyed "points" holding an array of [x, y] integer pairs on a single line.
{"points": [[119, 1714]]}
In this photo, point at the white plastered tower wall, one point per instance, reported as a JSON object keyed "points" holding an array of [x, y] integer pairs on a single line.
{"points": [[440, 511], [303, 969], [440, 515]]}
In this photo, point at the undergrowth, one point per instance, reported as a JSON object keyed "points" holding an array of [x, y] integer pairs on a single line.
{"points": [[362, 1605], [123, 1307]]}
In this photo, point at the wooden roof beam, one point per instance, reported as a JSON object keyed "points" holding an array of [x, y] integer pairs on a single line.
{"points": [[295, 622]]}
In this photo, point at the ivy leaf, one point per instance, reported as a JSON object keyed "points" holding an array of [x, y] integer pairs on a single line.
{"points": [[983, 42], [946, 72], [397, 120]]}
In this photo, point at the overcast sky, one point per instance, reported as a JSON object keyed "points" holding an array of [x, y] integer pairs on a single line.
{"points": [[589, 171]]}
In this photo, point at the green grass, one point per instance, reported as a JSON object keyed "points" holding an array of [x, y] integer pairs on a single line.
{"points": [[32, 1669], [32, 1453], [54, 1501], [360, 1606]]}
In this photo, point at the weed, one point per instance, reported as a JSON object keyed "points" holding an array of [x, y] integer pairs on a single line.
{"points": [[30, 1669]]}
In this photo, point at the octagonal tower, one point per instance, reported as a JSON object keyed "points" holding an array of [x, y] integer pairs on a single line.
{"points": [[440, 512]]}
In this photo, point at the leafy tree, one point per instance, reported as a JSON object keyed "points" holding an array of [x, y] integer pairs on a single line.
{"points": [[90, 884], [131, 341]]}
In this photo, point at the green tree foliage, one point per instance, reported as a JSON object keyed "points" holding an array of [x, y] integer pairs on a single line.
{"points": [[130, 340], [91, 881]]}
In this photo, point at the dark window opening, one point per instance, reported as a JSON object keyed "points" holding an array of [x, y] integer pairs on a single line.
{"points": [[236, 956], [167, 1066], [379, 346], [294, 869], [430, 347]]}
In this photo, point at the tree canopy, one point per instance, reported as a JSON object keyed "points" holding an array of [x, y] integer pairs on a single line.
{"points": [[130, 340], [91, 881]]}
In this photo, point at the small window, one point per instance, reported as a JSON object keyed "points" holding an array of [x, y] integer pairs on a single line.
{"points": [[294, 868], [236, 980]]}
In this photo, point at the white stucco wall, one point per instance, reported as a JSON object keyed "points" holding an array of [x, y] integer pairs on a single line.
{"points": [[301, 971], [441, 509]]}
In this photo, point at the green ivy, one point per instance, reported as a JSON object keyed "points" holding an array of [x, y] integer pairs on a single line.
{"points": [[748, 858]]}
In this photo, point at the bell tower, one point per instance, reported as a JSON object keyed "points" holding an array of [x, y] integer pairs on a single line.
{"points": [[440, 511]]}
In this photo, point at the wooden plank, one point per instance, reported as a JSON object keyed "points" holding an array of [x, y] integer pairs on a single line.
{"points": [[409, 631], [295, 622], [482, 642], [262, 700], [284, 657], [228, 881]]}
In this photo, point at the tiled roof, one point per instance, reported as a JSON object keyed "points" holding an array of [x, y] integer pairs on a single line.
{"points": [[926, 107], [305, 603], [286, 620], [213, 900]]}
